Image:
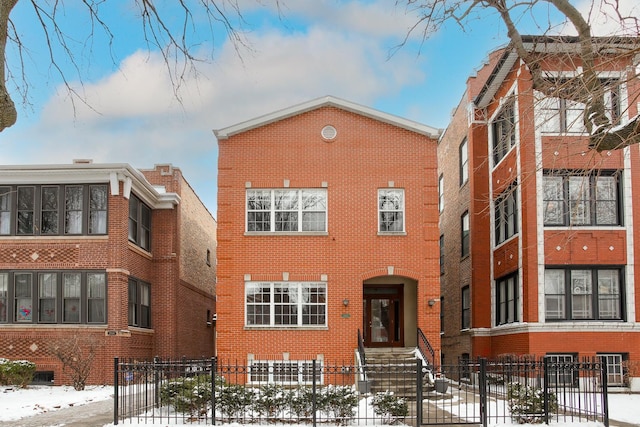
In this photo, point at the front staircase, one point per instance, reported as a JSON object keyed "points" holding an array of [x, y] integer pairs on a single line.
{"points": [[392, 369]]}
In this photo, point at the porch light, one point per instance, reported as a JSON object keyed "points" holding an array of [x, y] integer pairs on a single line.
{"points": [[345, 302]]}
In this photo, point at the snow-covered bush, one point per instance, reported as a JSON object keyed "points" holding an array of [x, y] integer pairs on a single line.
{"points": [[338, 402], [234, 400], [300, 402], [389, 407], [526, 403], [190, 395], [271, 400], [16, 372]]}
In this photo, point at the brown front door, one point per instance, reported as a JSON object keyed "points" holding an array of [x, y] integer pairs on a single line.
{"points": [[383, 316]]}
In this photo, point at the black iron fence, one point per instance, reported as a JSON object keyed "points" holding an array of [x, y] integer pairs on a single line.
{"points": [[387, 392]]}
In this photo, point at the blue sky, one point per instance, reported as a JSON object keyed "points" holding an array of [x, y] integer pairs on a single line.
{"points": [[304, 50]]}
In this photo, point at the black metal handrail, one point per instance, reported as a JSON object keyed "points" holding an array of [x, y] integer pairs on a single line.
{"points": [[424, 344], [361, 354]]}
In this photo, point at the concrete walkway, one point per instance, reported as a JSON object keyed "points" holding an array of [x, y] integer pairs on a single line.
{"points": [[96, 414]]}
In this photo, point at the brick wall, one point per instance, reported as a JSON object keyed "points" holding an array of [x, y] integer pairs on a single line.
{"points": [[365, 156]]}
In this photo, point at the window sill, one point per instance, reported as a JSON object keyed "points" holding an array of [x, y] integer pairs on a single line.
{"points": [[31, 326], [44, 239], [583, 227], [286, 328], [286, 233], [141, 330], [138, 249], [392, 233]]}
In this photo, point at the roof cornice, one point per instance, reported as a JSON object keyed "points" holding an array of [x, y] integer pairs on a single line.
{"points": [[88, 173], [545, 44], [327, 101]]}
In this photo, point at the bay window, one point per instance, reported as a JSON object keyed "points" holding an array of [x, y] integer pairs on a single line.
{"points": [[53, 210], [53, 296]]}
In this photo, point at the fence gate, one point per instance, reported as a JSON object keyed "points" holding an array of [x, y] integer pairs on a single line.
{"points": [[450, 397]]}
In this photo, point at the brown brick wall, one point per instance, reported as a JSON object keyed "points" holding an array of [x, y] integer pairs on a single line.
{"points": [[178, 307]]}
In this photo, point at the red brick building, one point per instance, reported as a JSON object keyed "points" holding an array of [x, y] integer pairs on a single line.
{"points": [[538, 232], [328, 224], [106, 251]]}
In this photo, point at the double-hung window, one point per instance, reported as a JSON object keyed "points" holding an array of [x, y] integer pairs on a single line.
{"points": [[139, 223], [465, 234], [441, 193], [574, 198], [40, 296], [139, 303], [507, 300], [53, 210], [506, 215], [583, 294], [287, 210], [285, 304], [504, 131], [466, 307], [464, 162], [390, 210]]}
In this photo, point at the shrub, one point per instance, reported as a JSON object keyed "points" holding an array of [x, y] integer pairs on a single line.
{"points": [[271, 400], [300, 402], [234, 400], [389, 407], [17, 372], [188, 395], [339, 402], [526, 403], [76, 354]]}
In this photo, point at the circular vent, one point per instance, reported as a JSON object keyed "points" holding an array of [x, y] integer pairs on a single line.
{"points": [[329, 132]]}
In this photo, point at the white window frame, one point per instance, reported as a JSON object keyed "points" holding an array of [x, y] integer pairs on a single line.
{"points": [[298, 210], [268, 371], [270, 307], [384, 209], [441, 193], [464, 161], [615, 368]]}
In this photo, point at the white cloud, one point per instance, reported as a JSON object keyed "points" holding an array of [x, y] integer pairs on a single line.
{"points": [[135, 118], [604, 17]]}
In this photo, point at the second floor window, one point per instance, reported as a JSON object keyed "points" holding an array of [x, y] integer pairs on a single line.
{"points": [[506, 215], [390, 210], [583, 294], [53, 210], [287, 210], [581, 199], [139, 223]]}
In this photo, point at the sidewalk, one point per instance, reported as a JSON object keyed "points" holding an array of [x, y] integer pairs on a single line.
{"points": [[95, 414]]}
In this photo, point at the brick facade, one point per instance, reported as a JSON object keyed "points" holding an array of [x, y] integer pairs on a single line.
{"points": [[536, 246], [182, 285], [370, 151]]}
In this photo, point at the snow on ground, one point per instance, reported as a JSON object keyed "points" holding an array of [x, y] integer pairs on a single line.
{"points": [[20, 403]]}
